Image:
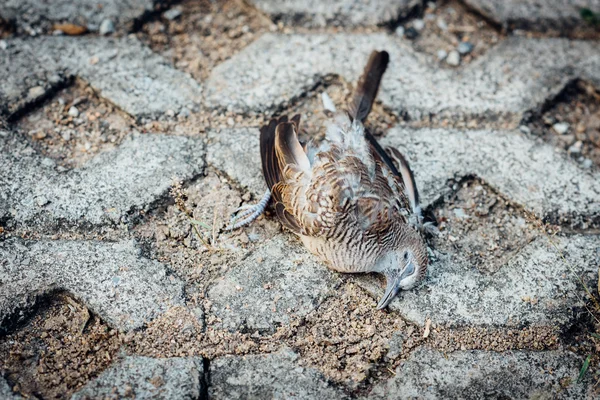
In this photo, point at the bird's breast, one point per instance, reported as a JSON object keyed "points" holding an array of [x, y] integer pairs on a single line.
{"points": [[350, 253]]}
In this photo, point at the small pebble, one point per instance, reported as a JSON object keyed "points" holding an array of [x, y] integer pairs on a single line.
{"points": [[418, 24], [576, 148], [66, 135], [41, 201], [561, 127], [3, 45], [587, 163], [35, 92], [73, 112], [465, 47], [170, 113], [453, 58], [106, 27], [525, 129], [172, 14], [442, 54], [400, 31], [411, 33], [230, 121], [442, 24]]}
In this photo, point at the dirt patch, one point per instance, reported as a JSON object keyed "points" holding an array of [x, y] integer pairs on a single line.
{"points": [[194, 244], [449, 26], [481, 227], [58, 350], [573, 123], [314, 117], [75, 125], [205, 34]]}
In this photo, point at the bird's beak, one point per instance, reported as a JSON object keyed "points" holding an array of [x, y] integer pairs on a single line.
{"points": [[392, 289]]}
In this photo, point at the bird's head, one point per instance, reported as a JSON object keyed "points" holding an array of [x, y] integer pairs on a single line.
{"points": [[403, 267]]}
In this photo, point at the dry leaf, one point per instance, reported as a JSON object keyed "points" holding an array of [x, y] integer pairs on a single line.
{"points": [[427, 326], [70, 29]]}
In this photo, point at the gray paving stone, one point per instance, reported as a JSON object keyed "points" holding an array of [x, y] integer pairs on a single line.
{"points": [[429, 374], [123, 71], [272, 376], [278, 281], [34, 17], [237, 153], [147, 378], [534, 14], [107, 189], [6, 392], [113, 279], [534, 287], [531, 174], [316, 13], [516, 76]]}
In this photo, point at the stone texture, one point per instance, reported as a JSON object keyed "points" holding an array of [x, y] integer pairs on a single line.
{"points": [[123, 71], [272, 376], [531, 174], [113, 279], [148, 378], [6, 392], [429, 374], [276, 282], [516, 76], [34, 16], [536, 15], [111, 187], [316, 13], [535, 287], [237, 153]]}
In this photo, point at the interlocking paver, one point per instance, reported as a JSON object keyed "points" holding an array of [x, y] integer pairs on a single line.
{"points": [[516, 76], [236, 152], [316, 13], [113, 279], [148, 378], [536, 286], [530, 174], [271, 286], [34, 17], [534, 14], [429, 374], [6, 392], [107, 189], [276, 376], [123, 71]]}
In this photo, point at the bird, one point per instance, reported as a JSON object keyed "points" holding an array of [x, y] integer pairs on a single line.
{"points": [[352, 203]]}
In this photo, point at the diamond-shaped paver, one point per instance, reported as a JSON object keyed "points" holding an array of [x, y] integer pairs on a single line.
{"points": [[536, 286], [516, 76], [107, 189], [6, 392], [236, 152], [272, 376], [338, 12], [31, 15], [277, 282], [148, 378], [534, 14], [123, 71], [530, 174], [114, 280], [429, 374]]}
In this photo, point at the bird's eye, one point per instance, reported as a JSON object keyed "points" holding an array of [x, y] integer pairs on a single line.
{"points": [[406, 256]]}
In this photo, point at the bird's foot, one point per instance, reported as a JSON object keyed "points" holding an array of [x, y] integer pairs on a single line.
{"points": [[246, 214]]}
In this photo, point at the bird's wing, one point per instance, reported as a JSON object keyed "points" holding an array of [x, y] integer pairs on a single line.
{"points": [[408, 179]]}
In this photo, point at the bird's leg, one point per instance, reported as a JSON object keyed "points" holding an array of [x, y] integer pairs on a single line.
{"points": [[248, 213]]}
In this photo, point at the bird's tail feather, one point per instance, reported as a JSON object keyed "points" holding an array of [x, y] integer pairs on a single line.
{"points": [[368, 85]]}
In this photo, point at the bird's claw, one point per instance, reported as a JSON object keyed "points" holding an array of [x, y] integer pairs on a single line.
{"points": [[247, 213]]}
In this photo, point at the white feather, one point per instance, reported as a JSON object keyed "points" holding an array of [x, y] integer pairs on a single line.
{"points": [[327, 102]]}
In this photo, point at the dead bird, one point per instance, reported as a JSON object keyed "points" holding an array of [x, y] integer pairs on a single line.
{"points": [[352, 203]]}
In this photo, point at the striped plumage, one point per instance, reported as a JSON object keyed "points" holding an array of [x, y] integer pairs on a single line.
{"points": [[352, 203]]}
